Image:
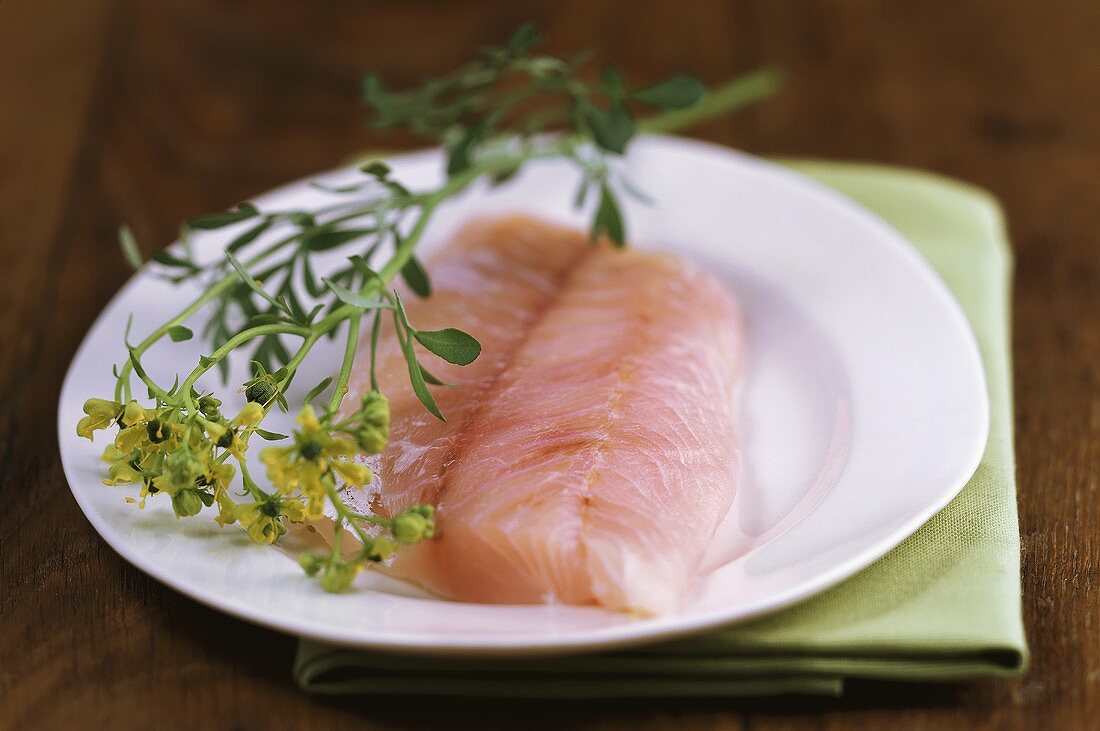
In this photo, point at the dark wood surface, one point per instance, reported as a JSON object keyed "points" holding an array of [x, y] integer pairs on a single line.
{"points": [[148, 112]]}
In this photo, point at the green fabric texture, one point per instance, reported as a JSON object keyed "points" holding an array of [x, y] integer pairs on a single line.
{"points": [[944, 605]]}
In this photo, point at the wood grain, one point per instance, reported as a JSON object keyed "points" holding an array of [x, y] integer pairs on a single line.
{"points": [[153, 111]]}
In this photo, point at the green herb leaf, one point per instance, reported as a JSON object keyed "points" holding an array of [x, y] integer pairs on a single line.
{"points": [[318, 389], [264, 318], [180, 333], [250, 235], [416, 277], [129, 246], [435, 381], [220, 220], [608, 219], [325, 240], [450, 344], [416, 375], [613, 83], [375, 327], [270, 435], [169, 260], [459, 158], [676, 92], [254, 285], [375, 168], [612, 129], [525, 38], [354, 298]]}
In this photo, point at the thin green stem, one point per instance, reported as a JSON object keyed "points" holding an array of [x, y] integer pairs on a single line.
{"points": [[741, 91], [350, 347]]}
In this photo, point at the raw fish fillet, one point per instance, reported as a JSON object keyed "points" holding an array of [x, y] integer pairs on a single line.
{"points": [[589, 454]]}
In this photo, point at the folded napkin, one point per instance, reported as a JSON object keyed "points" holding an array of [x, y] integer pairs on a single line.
{"points": [[943, 605]]}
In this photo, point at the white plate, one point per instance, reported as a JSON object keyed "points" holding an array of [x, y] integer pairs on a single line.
{"points": [[865, 411]]}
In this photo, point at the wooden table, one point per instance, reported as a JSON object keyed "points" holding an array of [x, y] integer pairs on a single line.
{"points": [[148, 112]]}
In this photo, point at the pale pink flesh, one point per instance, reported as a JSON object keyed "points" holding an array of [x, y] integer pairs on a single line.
{"points": [[590, 453]]}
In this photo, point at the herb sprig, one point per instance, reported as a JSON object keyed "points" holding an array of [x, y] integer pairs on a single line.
{"points": [[509, 107]]}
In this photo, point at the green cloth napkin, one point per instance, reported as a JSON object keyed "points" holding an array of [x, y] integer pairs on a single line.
{"points": [[943, 605]]}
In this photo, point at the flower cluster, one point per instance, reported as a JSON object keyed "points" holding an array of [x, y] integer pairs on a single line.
{"points": [[183, 450], [166, 451]]}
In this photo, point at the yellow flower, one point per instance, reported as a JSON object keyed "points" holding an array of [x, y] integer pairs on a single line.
{"points": [[217, 475], [215, 430], [227, 507], [263, 520], [99, 415], [131, 438], [293, 510], [281, 468], [251, 415], [119, 470], [181, 467], [381, 549], [133, 414]]}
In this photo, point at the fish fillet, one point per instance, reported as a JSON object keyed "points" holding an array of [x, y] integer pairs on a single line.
{"points": [[589, 453]]}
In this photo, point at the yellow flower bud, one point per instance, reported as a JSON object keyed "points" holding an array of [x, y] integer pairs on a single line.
{"points": [[374, 423], [354, 474], [311, 564], [410, 527], [337, 576], [186, 503]]}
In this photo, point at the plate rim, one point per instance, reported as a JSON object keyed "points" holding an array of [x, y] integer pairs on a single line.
{"points": [[653, 630]]}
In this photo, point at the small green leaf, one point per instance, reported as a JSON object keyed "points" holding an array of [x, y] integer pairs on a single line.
{"points": [[318, 389], [170, 260], [264, 318], [677, 92], [525, 37], [375, 327], [459, 158], [416, 376], [253, 284], [129, 246], [612, 80], [375, 168], [270, 435], [611, 129], [582, 192], [608, 219], [434, 380], [221, 220], [416, 277], [180, 333], [354, 299], [325, 240], [450, 344], [363, 267], [337, 189], [250, 235]]}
